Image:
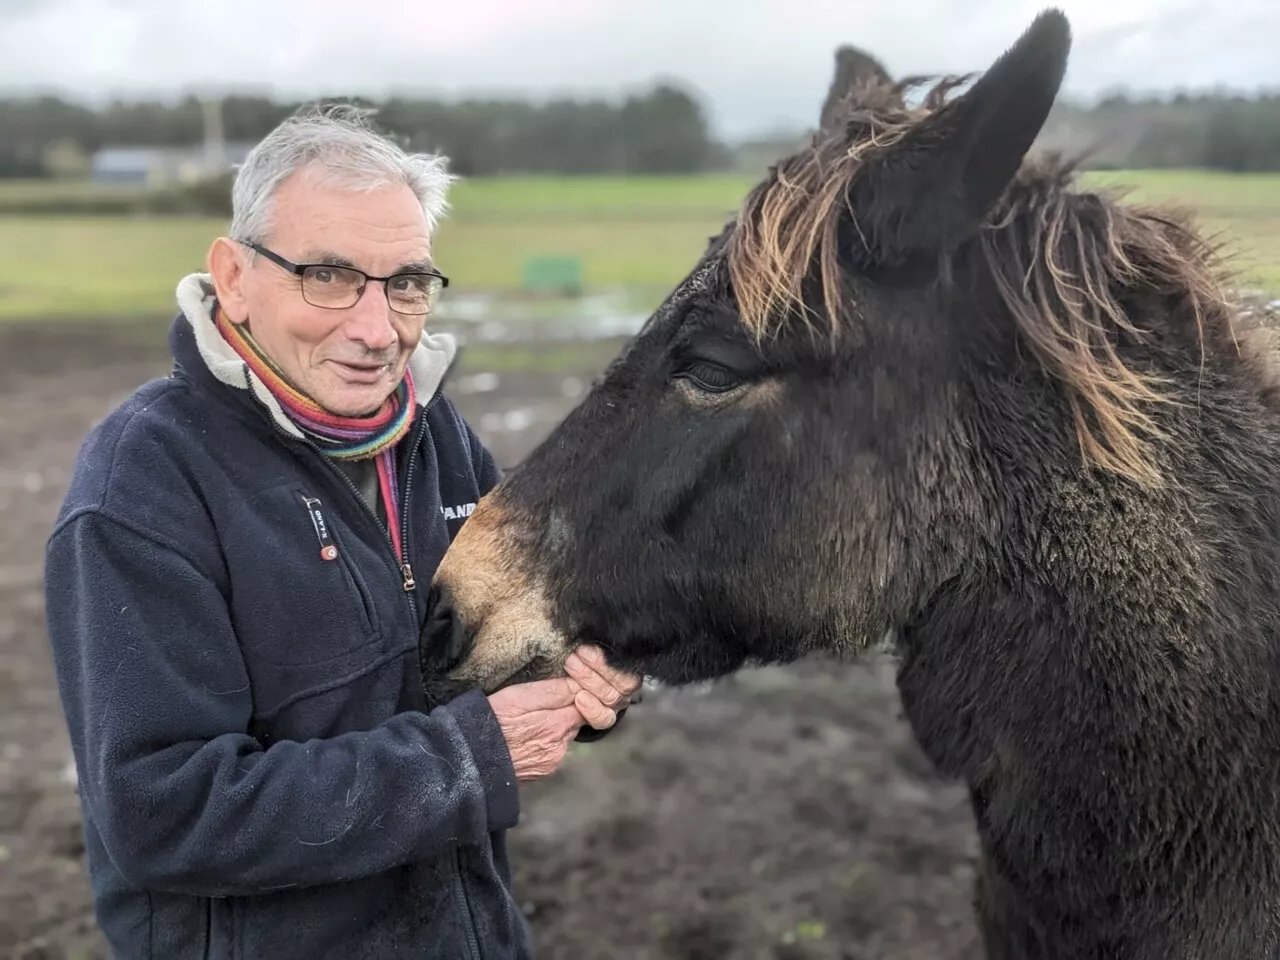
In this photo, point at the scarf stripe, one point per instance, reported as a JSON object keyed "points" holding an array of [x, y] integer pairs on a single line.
{"points": [[342, 438]]}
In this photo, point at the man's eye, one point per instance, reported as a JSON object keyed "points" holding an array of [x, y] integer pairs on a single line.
{"points": [[711, 377]]}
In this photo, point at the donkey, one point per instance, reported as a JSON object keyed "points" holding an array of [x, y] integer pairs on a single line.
{"points": [[924, 383]]}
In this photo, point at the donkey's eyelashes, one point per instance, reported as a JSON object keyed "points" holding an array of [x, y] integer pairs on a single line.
{"points": [[709, 376]]}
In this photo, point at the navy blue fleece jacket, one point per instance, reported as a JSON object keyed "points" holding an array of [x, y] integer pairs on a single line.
{"points": [[260, 776]]}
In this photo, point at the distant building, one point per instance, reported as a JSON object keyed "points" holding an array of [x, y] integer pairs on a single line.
{"points": [[165, 166]]}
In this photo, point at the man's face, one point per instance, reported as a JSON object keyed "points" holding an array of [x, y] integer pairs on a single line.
{"points": [[348, 360]]}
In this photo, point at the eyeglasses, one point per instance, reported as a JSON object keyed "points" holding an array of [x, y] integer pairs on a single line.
{"points": [[336, 287]]}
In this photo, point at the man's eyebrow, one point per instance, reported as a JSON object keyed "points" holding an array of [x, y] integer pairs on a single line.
{"points": [[337, 260], [330, 258]]}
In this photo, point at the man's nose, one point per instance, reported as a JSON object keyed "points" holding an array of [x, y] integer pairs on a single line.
{"points": [[369, 320]]}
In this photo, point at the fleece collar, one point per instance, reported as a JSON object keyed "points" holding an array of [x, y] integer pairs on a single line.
{"points": [[428, 363]]}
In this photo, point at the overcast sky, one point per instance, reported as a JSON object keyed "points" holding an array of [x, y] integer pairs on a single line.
{"points": [[756, 64]]}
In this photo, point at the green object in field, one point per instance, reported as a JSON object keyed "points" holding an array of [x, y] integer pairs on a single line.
{"points": [[553, 274]]}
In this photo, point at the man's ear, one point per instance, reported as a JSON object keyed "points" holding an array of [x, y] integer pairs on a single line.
{"points": [[934, 187], [228, 267]]}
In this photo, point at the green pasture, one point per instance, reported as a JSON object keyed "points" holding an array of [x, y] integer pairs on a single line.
{"points": [[638, 234], [73, 267], [1240, 211]]}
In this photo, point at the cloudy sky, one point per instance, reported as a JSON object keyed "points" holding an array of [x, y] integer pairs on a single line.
{"points": [[756, 64]]}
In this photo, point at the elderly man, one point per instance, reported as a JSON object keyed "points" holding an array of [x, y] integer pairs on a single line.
{"points": [[236, 590]]}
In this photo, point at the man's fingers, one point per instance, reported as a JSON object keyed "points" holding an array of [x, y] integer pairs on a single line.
{"points": [[591, 680], [593, 711], [586, 664], [624, 683], [568, 719], [556, 693]]}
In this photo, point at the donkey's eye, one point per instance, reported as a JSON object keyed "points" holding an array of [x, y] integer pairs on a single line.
{"points": [[711, 377]]}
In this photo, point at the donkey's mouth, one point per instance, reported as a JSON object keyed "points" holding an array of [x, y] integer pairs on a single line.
{"points": [[441, 689], [445, 684], [539, 668]]}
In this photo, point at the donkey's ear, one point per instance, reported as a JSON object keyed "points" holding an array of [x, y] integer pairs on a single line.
{"points": [[933, 187], [857, 73]]}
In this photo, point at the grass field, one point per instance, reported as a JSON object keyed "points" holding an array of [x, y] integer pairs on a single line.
{"points": [[636, 233], [1240, 210]]}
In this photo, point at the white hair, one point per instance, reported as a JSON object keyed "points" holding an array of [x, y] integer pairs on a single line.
{"points": [[338, 147]]}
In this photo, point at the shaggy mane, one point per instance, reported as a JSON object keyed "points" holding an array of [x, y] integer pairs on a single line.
{"points": [[1059, 258]]}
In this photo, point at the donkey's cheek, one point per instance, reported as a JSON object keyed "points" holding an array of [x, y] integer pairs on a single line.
{"points": [[495, 592]]}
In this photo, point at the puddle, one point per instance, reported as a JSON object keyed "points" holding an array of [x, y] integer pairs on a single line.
{"points": [[487, 318], [485, 382], [509, 421], [524, 364]]}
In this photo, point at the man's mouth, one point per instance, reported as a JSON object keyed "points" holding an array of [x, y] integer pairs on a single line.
{"points": [[362, 372]]}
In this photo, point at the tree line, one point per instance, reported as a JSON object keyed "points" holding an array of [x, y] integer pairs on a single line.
{"points": [[1237, 134], [662, 130]]}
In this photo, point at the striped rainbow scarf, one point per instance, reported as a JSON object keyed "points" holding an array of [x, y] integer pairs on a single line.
{"points": [[342, 438]]}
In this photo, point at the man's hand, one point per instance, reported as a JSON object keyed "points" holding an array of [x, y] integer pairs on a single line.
{"points": [[605, 691], [539, 720]]}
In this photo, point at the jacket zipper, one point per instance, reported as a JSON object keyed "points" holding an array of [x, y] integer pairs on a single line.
{"points": [[466, 905], [402, 564], [406, 568]]}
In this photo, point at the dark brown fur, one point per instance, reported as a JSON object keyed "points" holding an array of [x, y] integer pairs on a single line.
{"points": [[926, 385]]}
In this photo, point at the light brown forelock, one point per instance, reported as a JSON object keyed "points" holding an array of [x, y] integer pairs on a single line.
{"points": [[789, 225], [1061, 273]]}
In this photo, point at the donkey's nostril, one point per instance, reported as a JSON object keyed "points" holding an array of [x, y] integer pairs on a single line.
{"points": [[435, 596], [443, 636], [439, 617]]}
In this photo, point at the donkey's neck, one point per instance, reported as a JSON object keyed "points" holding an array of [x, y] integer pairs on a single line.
{"points": [[1107, 683]]}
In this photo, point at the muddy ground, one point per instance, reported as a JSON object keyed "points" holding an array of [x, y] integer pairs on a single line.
{"points": [[784, 813]]}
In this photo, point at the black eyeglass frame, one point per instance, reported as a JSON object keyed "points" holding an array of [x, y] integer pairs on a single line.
{"points": [[299, 270]]}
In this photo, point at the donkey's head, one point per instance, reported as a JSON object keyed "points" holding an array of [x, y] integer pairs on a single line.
{"points": [[785, 457]]}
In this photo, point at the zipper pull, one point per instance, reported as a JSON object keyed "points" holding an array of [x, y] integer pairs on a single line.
{"points": [[407, 572]]}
